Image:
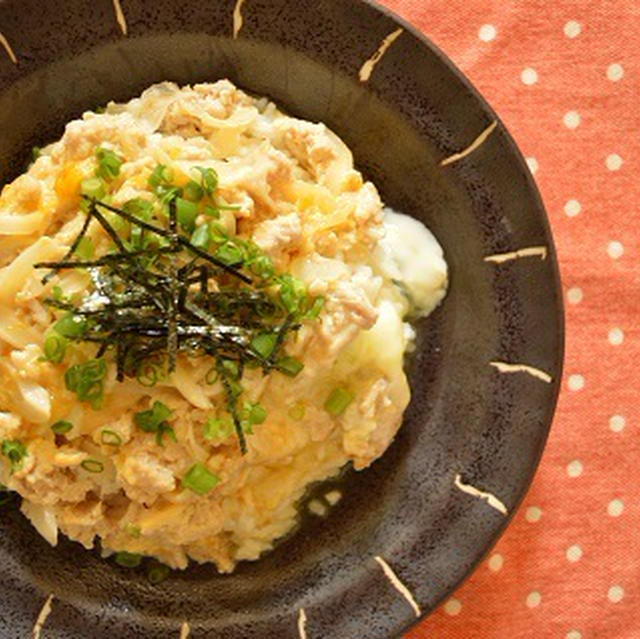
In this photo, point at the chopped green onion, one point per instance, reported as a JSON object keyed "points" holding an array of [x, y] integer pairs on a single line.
{"points": [[201, 237], [148, 374], [290, 366], [186, 212], [193, 191], [140, 208], [110, 437], [200, 479], [211, 212], [218, 428], [338, 401], [54, 348], [61, 427], [161, 176], [57, 293], [15, 451], [93, 187], [128, 559], [36, 152], [163, 430], [86, 380], [262, 266], [231, 367], [70, 325], [92, 465], [293, 293], [218, 233], [230, 253], [84, 250], [255, 413], [157, 572], [150, 420], [209, 179], [264, 344], [315, 309], [108, 164]]}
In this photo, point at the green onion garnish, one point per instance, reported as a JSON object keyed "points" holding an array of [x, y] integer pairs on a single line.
{"points": [[61, 427], [290, 366], [161, 176], [84, 250], [230, 253], [93, 187], [128, 559], [150, 420], [218, 428], [15, 451], [293, 293], [54, 348], [154, 421], [338, 401], [70, 325], [211, 212], [92, 465], [200, 479], [187, 213], [157, 572], [108, 164], [264, 344], [209, 180], [201, 237], [193, 191], [86, 380], [110, 437]]}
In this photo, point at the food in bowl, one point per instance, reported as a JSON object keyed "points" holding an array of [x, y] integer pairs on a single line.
{"points": [[203, 310]]}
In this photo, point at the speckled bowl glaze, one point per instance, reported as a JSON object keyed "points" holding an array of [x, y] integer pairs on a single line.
{"points": [[488, 363]]}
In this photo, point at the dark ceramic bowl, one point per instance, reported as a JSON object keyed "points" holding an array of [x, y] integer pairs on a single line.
{"points": [[486, 423]]}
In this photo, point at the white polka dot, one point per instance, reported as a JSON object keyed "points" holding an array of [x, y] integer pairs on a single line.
{"points": [[572, 208], [617, 423], [574, 295], [529, 76], [496, 562], [573, 634], [615, 72], [487, 32], [615, 594], [572, 29], [574, 553], [533, 514], [574, 468], [571, 119], [615, 249], [613, 162], [453, 607], [616, 336], [615, 507], [576, 382], [533, 599]]}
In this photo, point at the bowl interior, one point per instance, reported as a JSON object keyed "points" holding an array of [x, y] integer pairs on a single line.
{"points": [[465, 417]]}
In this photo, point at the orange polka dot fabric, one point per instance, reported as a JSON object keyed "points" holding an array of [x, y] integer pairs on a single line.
{"points": [[564, 77]]}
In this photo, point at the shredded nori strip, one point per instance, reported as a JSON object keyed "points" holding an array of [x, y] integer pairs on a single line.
{"points": [[151, 304]]}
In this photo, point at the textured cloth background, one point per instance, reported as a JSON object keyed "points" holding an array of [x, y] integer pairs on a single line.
{"points": [[564, 77]]}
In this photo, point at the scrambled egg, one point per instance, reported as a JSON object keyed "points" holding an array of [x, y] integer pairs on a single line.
{"points": [[299, 198]]}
